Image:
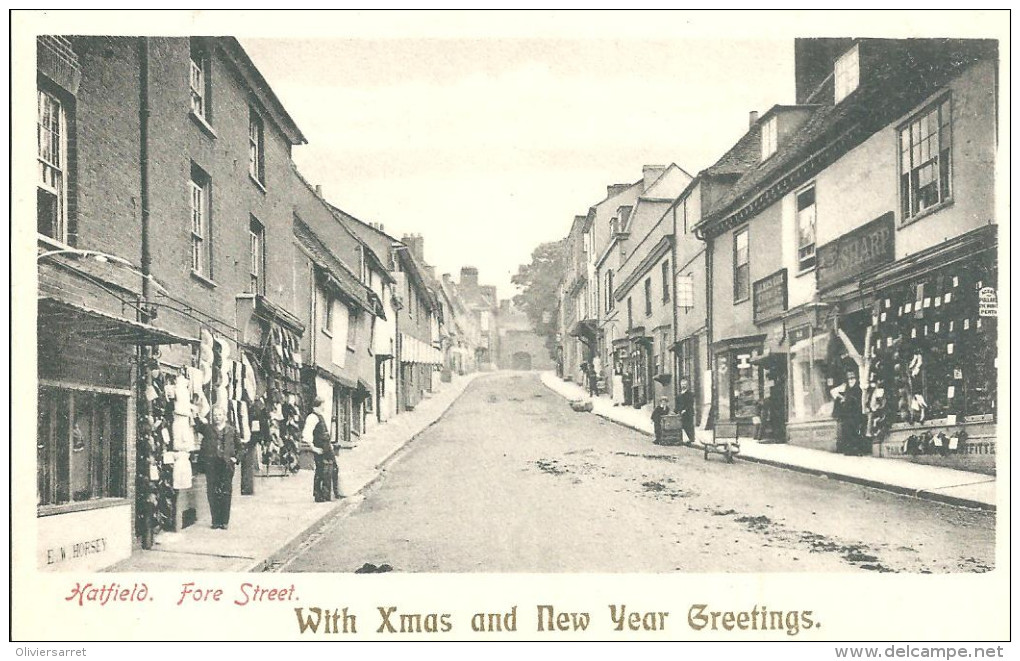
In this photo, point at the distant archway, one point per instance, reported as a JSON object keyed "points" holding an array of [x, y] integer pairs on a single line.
{"points": [[521, 360]]}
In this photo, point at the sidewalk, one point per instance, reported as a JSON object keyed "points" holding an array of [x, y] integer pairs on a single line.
{"points": [[282, 513], [946, 485]]}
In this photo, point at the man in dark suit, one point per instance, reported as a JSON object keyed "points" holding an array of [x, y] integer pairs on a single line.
{"points": [[685, 409], [221, 446]]}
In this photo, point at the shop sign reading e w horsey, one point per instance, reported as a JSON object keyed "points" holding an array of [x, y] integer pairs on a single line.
{"points": [[856, 252]]}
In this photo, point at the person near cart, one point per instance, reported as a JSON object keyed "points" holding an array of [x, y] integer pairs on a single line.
{"points": [[316, 434], [221, 447], [661, 410], [685, 409]]}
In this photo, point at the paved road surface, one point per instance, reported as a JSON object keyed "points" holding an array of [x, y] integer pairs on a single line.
{"points": [[512, 480]]}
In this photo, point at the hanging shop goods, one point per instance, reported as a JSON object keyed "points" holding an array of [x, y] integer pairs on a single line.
{"points": [[168, 444], [175, 396], [933, 355], [281, 361]]}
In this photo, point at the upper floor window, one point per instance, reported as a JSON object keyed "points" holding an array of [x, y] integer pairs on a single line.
{"points": [[806, 229], [256, 145], [741, 267], [256, 256], [769, 137], [201, 222], [665, 281], [199, 80], [609, 290], [847, 73], [630, 313], [51, 134], [926, 159], [648, 296]]}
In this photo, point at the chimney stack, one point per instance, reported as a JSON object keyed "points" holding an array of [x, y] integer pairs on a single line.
{"points": [[468, 276], [650, 173], [318, 189], [613, 190], [416, 244], [752, 119]]}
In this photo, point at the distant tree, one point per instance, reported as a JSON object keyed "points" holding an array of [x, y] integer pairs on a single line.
{"points": [[538, 283]]}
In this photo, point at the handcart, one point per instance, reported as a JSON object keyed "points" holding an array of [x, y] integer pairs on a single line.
{"points": [[672, 430], [725, 440]]}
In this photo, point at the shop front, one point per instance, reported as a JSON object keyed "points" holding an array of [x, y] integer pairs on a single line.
{"points": [[933, 365], [689, 355], [739, 381], [639, 367], [809, 420], [279, 395], [770, 303], [87, 430]]}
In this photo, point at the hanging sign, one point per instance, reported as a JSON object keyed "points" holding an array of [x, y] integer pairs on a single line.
{"points": [[988, 302]]}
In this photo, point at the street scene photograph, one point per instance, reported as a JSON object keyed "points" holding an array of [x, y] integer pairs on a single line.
{"points": [[545, 305]]}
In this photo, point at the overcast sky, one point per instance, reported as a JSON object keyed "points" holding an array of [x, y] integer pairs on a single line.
{"points": [[488, 147]]}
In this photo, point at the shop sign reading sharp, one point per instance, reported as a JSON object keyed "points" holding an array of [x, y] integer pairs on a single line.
{"points": [[770, 295], [856, 252]]}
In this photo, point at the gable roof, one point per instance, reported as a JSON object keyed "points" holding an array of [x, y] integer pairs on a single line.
{"points": [[335, 274], [900, 75]]}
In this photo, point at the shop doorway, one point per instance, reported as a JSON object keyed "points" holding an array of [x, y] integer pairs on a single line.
{"points": [[773, 408]]}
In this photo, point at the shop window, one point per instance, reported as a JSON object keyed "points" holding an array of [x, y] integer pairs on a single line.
{"points": [[256, 148], [256, 256], [665, 281], [51, 187], [810, 398], [745, 395], [199, 80], [648, 297], [81, 446], [201, 222], [934, 353], [926, 160], [806, 229], [847, 73], [741, 267], [769, 137]]}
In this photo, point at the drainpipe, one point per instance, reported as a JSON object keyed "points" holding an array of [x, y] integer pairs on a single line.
{"points": [[709, 325], [142, 454], [676, 316]]}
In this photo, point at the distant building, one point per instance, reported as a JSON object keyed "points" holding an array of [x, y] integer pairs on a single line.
{"points": [[520, 347]]}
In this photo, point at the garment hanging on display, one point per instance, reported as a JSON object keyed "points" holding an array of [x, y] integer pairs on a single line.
{"points": [[182, 470], [184, 433]]}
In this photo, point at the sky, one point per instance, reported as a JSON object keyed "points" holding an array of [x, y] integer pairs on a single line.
{"points": [[490, 146]]}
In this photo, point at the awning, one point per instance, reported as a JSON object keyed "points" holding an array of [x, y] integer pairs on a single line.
{"points": [[88, 323], [742, 342], [266, 309], [585, 327], [338, 379]]}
